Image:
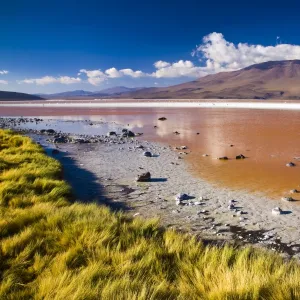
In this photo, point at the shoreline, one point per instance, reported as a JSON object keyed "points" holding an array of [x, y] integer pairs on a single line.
{"points": [[109, 166], [206, 214], [152, 103]]}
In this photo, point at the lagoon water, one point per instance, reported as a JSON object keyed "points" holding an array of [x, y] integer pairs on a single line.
{"points": [[268, 138]]}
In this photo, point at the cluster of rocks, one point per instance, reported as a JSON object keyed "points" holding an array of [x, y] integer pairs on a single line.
{"points": [[14, 122], [240, 156]]}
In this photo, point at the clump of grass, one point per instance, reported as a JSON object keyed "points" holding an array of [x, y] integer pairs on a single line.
{"points": [[53, 249]]}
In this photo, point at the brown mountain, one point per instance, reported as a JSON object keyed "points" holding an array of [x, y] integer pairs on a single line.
{"points": [[13, 96], [269, 80]]}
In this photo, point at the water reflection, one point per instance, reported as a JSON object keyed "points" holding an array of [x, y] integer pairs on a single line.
{"points": [[268, 138]]}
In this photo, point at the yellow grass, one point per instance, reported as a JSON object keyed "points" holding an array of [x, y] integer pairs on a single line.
{"points": [[53, 249]]}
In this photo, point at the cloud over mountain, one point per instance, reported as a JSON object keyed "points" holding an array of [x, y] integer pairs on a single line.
{"points": [[215, 54]]}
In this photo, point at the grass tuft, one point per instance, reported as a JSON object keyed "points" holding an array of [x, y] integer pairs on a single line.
{"points": [[54, 249]]}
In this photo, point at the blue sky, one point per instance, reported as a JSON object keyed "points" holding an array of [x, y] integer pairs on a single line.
{"points": [[53, 46]]}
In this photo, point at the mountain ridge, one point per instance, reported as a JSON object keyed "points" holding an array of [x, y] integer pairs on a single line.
{"points": [[15, 96], [268, 80]]}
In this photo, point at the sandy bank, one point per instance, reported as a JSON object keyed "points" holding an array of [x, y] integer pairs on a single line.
{"points": [[158, 104], [114, 167]]}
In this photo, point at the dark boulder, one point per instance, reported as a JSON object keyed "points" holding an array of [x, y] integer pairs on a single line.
{"points": [[162, 119], [50, 131], [223, 158], [60, 140], [111, 133], [147, 154], [144, 177]]}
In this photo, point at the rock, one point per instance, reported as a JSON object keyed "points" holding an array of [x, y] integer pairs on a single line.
{"points": [[293, 191], [241, 156], [147, 154], [198, 133], [204, 155], [288, 199], [183, 147], [124, 130], [162, 119], [231, 206], [181, 197], [111, 133], [223, 158], [55, 151], [50, 131], [60, 140], [276, 211], [290, 164], [154, 126], [128, 133], [176, 132], [144, 177]]}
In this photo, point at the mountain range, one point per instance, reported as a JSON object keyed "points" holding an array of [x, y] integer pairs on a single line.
{"points": [[116, 91], [268, 80], [14, 96]]}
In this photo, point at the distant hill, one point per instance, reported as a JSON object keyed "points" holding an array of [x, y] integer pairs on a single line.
{"points": [[77, 93], [13, 96], [117, 90], [269, 80], [80, 94]]}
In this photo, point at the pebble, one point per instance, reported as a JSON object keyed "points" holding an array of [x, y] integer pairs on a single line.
{"points": [[290, 164], [293, 191], [288, 199], [276, 211]]}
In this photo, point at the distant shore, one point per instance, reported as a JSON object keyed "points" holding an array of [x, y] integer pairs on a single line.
{"points": [[171, 103]]}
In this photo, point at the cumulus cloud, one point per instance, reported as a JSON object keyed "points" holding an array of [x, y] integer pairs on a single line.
{"points": [[178, 69], [161, 64], [221, 55], [50, 79], [3, 72], [3, 82], [214, 54], [96, 77]]}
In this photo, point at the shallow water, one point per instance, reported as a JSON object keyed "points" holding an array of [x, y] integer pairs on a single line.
{"points": [[268, 138]]}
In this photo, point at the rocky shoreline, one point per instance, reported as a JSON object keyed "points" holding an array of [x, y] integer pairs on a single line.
{"points": [[105, 168]]}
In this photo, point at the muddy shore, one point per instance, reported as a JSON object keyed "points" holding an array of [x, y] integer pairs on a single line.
{"points": [[105, 171]]}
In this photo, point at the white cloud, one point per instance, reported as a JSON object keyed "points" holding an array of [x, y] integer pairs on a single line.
{"points": [[96, 77], [178, 69], [3, 72], [161, 64], [3, 82], [113, 73], [50, 79], [131, 73], [221, 55], [215, 54]]}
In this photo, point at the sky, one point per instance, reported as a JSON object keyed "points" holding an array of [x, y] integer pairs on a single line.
{"points": [[55, 46]]}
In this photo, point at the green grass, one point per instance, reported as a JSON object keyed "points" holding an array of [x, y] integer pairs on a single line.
{"points": [[51, 248]]}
